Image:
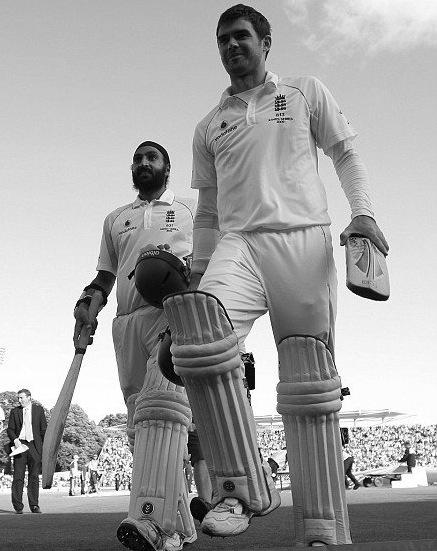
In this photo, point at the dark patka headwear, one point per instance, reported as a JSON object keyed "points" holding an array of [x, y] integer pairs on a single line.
{"points": [[158, 147]]}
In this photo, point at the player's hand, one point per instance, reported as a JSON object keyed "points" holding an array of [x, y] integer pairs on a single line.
{"points": [[83, 325], [165, 247], [367, 227], [162, 247], [86, 318]]}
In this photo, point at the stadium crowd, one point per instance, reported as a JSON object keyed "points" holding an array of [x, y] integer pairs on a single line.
{"points": [[115, 463], [372, 446], [381, 445]]}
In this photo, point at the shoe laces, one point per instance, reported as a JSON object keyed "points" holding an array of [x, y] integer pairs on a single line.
{"points": [[155, 531], [229, 504], [173, 542]]}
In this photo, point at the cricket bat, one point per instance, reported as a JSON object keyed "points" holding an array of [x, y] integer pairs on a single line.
{"points": [[55, 427], [366, 269]]}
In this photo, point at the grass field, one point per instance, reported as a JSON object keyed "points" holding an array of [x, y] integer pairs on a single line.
{"points": [[90, 523]]}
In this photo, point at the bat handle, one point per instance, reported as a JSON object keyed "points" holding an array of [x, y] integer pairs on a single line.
{"points": [[84, 339]]}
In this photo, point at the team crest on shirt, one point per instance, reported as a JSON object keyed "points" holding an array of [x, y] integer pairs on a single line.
{"points": [[280, 103], [280, 110], [169, 221]]}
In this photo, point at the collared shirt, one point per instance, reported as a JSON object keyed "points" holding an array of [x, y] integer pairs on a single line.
{"points": [[259, 148], [26, 430], [131, 227]]}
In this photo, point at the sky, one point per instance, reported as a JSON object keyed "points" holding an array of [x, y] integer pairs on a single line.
{"points": [[83, 83]]}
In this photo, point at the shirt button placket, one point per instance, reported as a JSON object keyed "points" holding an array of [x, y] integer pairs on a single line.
{"points": [[147, 215], [251, 112]]}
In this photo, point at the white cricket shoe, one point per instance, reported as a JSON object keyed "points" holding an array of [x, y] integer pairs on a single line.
{"points": [[228, 518], [177, 541]]}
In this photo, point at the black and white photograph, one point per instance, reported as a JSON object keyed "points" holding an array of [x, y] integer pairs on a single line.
{"points": [[218, 302]]}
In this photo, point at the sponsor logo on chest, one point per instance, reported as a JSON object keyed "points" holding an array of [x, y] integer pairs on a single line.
{"points": [[127, 228], [225, 130]]}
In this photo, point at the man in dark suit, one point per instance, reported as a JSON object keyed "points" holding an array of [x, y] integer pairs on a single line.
{"points": [[27, 425]]}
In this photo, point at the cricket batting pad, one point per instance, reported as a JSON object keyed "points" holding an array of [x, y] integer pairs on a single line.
{"points": [[206, 356], [309, 399], [130, 427], [366, 269], [158, 490]]}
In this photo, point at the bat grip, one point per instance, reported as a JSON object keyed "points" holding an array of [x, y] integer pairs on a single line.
{"points": [[83, 340], [85, 334]]}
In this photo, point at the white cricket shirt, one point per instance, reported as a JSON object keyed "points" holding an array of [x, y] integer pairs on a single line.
{"points": [[259, 148], [128, 229]]}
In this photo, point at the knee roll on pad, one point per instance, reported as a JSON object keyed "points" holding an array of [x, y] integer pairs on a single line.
{"points": [[158, 490], [309, 383], [202, 335], [206, 356], [309, 398]]}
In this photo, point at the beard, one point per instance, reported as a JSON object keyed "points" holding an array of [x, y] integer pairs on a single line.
{"points": [[146, 181]]}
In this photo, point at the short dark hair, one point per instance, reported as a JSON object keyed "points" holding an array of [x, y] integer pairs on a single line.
{"points": [[24, 391], [240, 11]]}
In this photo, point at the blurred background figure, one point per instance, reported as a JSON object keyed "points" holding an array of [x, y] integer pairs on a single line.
{"points": [[409, 456], [74, 476]]}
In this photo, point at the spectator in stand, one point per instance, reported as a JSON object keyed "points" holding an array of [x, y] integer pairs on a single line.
{"points": [[115, 458], [374, 446]]}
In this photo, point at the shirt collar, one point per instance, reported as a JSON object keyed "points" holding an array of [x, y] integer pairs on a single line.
{"points": [[166, 198], [270, 83]]}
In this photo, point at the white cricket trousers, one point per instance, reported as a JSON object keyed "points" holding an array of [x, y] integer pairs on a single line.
{"points": [[135, 339], [291, 274]]}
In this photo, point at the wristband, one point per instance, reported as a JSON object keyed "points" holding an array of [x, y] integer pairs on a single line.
{"points": [[98, 287]]}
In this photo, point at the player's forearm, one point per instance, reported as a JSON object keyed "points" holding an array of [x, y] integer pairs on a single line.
{"points": [[105, 280], [204, 243], [206, 232], [102, 283], [353, 178]]}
